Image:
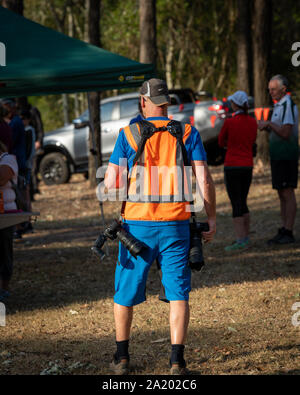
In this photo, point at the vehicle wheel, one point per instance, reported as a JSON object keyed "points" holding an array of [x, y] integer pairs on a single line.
{"points": [[54, 169], [215, 154]]}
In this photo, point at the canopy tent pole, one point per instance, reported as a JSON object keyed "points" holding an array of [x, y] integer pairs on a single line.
{"points": [[94, 153]]}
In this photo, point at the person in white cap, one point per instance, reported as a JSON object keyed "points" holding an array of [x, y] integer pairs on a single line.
{"points": [[238, 136]]}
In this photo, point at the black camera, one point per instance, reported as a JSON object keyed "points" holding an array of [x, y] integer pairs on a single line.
{"points": [[196, 260], [114, 231]]}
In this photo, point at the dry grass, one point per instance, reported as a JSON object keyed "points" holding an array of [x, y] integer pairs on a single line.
{"points": [[60, 318]]}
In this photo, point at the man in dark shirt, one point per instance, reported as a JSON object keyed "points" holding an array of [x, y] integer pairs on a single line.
{"points": [[5, 130], [18, 133]]}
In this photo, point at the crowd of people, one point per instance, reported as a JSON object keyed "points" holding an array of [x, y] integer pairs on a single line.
{"points": [[238, 136], [21, 135], [21, 131]]}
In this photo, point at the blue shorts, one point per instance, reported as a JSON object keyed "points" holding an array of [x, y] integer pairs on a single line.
{"points": [[169, 243]]}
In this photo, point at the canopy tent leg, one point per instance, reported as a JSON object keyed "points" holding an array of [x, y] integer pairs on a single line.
{"points": [[94, 153]]}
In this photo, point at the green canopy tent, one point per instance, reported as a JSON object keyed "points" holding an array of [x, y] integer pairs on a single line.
{"points": [[41, 61], [36, 60]]}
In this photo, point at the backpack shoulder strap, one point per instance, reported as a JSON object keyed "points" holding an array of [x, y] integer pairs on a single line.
{"points": [[293, 109], [284, 110], [147, 129], [175, 129]]}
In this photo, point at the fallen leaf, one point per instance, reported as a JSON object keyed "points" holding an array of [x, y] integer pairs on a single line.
{"points": [[5, 353], [7, 362], [231, 329], [164, 339]]}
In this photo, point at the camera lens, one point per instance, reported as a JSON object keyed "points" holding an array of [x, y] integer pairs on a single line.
{"points": [[112, 229], [99, 252], [133, 245], [98, 245], [196, 260]]}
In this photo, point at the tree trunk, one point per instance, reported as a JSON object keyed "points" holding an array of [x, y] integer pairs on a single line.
{"points": [[216, 53], [72, 30], [169, 54], [244, 46], [262, 20], [226, 52], [148, 48], [184, 47], [65, 102], [61, 27], [93, 13]]}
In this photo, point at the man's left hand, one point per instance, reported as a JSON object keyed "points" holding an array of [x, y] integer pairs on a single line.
{"points": [[263, 125]]}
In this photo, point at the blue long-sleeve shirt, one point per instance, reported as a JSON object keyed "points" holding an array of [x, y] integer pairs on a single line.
{"points": [[19, 141]]}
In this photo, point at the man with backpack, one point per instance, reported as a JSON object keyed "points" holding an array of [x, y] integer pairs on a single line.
{"points": [[284, 155], [157, 213]]}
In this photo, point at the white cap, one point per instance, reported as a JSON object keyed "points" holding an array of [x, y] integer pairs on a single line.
{"points": [[239, 98]]}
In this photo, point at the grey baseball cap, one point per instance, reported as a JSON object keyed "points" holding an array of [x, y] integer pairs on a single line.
{"points": [[156, 90]]}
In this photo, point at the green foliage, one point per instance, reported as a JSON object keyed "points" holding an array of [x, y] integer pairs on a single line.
{"points": [[120, 27], [51, 110], [203, 36]]}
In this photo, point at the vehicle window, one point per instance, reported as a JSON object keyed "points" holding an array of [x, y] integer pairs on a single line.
{"points": [[85, 116], [185, 96], [174, 100], [107, 111], [129, 107]]}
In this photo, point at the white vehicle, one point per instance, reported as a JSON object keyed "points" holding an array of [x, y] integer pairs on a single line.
{"points": [[65, 150]]}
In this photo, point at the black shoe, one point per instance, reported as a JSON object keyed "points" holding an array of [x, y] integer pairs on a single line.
{"points": [[287, 237], [28, 228], [17, 235], [276, 238]]}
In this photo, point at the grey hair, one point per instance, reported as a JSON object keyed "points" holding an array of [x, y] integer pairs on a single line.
{"points": [[282, 80]]}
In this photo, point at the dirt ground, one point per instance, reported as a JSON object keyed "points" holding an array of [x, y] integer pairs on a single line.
{"points": [[60, 315]]}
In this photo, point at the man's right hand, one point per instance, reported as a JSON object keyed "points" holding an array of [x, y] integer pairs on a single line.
{"points": [[208, 236]]}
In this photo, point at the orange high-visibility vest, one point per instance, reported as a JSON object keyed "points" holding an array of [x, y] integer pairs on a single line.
{"points": [[158, 186]]}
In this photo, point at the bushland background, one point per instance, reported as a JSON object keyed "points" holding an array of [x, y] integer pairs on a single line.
{"points": [[60, 315], [217, 46]]}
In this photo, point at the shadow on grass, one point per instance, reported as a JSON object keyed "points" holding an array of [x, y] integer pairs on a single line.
{"points": [[205, 353], [55, 265]]}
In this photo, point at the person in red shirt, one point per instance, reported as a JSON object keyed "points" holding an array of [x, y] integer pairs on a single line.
{"points": [[238, 136]]}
